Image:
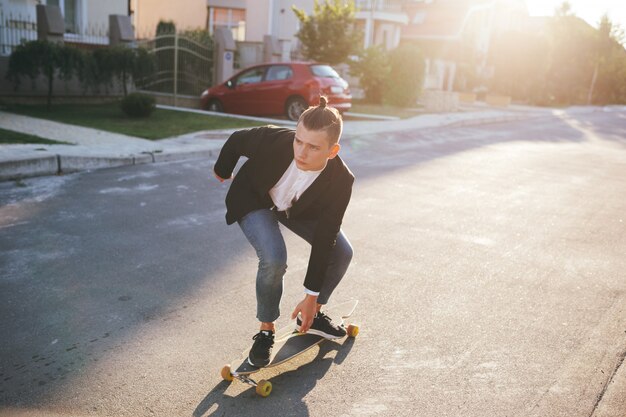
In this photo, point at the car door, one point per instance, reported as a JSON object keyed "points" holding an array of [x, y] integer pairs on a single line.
{"points": [[245, 92], [273, 91]]}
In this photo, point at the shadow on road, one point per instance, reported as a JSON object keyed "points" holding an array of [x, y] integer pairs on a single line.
{"points": [[86, 270], [289, 388]]}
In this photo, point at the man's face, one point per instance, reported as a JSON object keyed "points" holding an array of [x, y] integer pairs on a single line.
{"points": [[311, 149]]}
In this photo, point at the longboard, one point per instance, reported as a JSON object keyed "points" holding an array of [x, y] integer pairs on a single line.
{"points": [[288, 343]]}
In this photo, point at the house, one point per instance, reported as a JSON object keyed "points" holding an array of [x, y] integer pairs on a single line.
{"points": [[252, 20], [86, 21], [454, 31]]}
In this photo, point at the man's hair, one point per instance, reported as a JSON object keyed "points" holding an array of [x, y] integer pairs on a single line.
{"points": [[322, 117]]}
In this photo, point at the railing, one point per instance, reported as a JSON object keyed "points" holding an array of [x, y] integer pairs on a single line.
{"points": [[16, 29]]}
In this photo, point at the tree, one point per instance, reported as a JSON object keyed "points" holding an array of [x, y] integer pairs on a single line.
{"points": [[329, 35], [406, 76], [372, 68], [45, 58], [608, 84]]}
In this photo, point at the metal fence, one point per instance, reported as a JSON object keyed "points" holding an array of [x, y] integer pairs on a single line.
{"points": [[184, 66], [16, 29]]}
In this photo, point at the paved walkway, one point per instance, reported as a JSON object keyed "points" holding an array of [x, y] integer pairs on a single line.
{"points": [[94, 149]]}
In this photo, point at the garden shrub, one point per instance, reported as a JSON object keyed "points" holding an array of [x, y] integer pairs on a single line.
{"points": [[138, 105]]}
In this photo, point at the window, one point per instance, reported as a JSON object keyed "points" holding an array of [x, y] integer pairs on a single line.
{"points": [[233, 19], [278, 73], [255, 75], [324, 71], [69, 10]]}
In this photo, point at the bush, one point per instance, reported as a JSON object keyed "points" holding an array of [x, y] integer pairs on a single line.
{"points": [[372, 68], [45, 58], [406, 77], [138, 105]]}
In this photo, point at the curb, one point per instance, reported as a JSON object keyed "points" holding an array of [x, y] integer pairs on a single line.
{"points": [[56, 164]]}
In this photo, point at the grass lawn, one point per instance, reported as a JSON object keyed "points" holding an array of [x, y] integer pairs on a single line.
{"points": [[359, 106], [11, 137], [108, 116]]}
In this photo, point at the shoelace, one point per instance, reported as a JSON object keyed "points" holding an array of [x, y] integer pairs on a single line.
{"points": [[324, 317], [264, 339]]}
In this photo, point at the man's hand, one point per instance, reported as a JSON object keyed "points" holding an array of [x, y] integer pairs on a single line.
{"points": [[220, 179], [307, 309]]}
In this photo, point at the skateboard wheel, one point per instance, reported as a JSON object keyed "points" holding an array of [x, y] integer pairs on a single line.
{"points": [[264, 388], [226, 375], [353, 330]]}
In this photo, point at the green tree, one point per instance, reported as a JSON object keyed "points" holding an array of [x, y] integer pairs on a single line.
{"points": [[571, 58], [329, 35], [52, 60], [406, 77], [608, 84], [372, 68]]}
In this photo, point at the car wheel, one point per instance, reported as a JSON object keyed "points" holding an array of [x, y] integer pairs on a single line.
{"points": [[294, 108], [215, 105]]}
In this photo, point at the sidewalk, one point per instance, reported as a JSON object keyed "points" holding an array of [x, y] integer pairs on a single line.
{"points": [[93, 149]]}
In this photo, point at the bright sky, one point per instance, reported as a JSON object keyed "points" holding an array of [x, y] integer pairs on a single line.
{"points": [[590, 10]]}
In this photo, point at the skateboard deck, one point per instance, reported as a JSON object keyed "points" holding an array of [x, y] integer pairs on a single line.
{"points": [[289, 343]]}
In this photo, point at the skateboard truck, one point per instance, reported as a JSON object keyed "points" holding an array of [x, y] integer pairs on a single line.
{"points": [[263, 387]]}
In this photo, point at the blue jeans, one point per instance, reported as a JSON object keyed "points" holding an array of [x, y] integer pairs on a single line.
{"points": [[262, 231]]}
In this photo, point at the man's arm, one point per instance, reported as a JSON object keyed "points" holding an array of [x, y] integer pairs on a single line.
{"points": [[325, 237], [241, 143]]}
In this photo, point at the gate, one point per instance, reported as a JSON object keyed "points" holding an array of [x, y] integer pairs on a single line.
{"points": [[184, 66]]}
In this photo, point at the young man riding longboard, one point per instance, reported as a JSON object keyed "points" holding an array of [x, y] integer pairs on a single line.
{"points": [[293, 178]]}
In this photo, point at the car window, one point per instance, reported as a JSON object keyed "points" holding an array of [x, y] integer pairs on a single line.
{"points": [[279, 72], [324, 71], [255, 75]]}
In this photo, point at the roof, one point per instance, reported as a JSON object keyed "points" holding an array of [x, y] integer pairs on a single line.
{"points": [[447, 19]]}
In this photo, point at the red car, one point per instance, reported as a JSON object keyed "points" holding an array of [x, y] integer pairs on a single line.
{"points": [[286, 88]]}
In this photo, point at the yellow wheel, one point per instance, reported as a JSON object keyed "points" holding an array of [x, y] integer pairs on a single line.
{"points": [[353, 330], [226, 375], [264, 388]]}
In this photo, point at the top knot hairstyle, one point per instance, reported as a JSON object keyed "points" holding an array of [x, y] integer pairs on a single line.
{"points": [[322, 117]]}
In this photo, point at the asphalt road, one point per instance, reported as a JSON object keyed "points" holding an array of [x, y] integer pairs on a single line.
{"points": [[489, 264]]}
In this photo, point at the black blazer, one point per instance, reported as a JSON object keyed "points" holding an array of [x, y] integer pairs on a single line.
{"points": [[269, 151]]}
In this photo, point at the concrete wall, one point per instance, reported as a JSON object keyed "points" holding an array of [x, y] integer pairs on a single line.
{"points": [[288, 22], [187, 14], [256, 19], [284, 23], [97, 12]]}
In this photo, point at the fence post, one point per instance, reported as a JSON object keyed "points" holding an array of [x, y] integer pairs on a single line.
{"points": [[50, 23], [175, 69], [225, 54], [120, 30], [272, 50]]}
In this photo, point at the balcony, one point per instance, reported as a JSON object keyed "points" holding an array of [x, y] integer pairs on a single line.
{"points": [[390, 6]]}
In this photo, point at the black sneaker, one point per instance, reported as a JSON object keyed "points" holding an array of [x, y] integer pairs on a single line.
{"points": [[259, 355], [324, 326]]}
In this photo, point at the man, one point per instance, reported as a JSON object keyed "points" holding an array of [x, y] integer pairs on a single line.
{"points": [[297, 179]]}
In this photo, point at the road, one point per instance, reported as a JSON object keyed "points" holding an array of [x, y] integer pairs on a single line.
{"points": [[489, 264]]}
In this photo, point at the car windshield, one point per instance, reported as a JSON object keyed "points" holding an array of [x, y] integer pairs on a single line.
{"points": [[324, 71]]}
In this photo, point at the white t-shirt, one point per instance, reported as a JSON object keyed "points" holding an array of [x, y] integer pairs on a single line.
{"points": [[291, 186], [288, 190]]}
